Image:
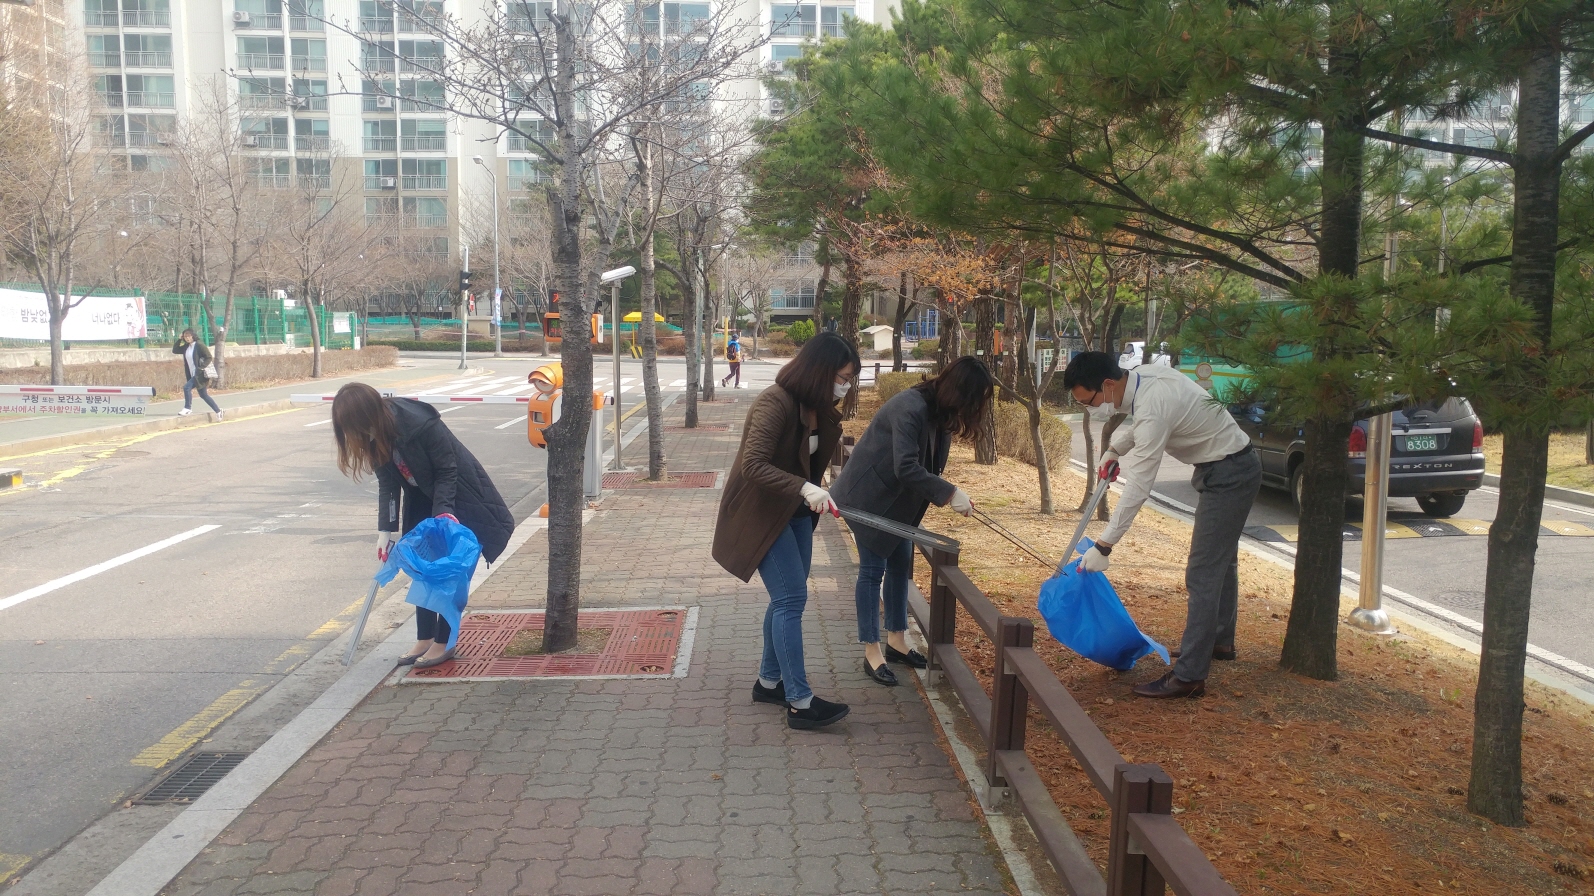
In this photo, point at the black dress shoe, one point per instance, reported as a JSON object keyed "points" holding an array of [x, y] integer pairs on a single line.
{"points": [[775, 695], [818, 714], [1171, 685], [912, 658], [1223, 654], [881, 673]]}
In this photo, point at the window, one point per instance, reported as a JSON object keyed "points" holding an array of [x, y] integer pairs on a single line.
{"points": [[376, 16], [312, 134], [424, 174], [306, 15], [105, 50], [541, 130], [416, 15], [100, 14], [155, 91], [150, 163], [111, 130], [377, 56], [524, 213], [684, 18], [260, 53], [525, 174], [272, 173], [832, 19], [799, 295], [146, 13], [381, 174], [381, 135], [421, 55], [146, 211], [529, 15], [259, 94], [380, 210], [310, 93], [433, 248], [425, 212], [148, 50], [424, 135], [786, 52], [790, 20], [265, 133], [421, 95], [314, 174], [309, 54], [150, 130], [109, 89], [262, 13], [377, 95]]}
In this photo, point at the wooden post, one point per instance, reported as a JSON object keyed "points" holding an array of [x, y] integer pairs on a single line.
{"points": [[877, 374], [1010, 702], [1135, 788], [943, 611]]}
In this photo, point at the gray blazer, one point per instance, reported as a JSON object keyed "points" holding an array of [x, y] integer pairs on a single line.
{"points": [[895, 469]]}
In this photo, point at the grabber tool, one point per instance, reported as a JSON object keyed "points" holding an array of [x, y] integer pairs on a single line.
{"points": [[1108, 473]]}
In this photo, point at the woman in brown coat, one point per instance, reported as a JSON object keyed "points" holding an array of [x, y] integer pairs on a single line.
{"points": [[771, 507]]}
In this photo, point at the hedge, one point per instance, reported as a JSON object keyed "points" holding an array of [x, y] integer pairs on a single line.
{"points": [[168, 376]]}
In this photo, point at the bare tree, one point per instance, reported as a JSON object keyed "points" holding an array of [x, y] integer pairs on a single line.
{"points": [[752, 273]]}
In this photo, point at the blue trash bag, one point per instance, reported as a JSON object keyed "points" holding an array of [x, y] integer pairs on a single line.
{"points": [[1084, 613], [440, 557]]}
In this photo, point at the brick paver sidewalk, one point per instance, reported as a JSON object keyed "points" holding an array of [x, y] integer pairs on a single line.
{"points": [[627, 786]]}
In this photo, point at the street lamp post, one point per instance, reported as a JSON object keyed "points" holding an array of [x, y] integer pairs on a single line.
{"points": [[498, 287], [613, 278]]}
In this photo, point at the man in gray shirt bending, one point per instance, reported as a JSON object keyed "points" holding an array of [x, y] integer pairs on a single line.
{"points": [[1169, 413]]}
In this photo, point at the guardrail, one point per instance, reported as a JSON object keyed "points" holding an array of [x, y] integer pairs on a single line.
{"points": [[1147, 851]]}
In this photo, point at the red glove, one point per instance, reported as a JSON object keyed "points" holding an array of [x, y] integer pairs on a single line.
{"points": [[1109, 466]]}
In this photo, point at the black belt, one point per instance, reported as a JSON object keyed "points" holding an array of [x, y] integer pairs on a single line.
{"points": [[1241, 453]]}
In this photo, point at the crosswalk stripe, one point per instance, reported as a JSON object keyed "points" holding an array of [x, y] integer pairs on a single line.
{"points": [[520, 419], [516, 390]]}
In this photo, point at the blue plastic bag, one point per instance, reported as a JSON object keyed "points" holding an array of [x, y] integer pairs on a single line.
{"points": [[440, 557], [1084, 613]]}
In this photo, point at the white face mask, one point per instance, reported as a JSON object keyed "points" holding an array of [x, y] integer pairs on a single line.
{"points": [[841, 390]]}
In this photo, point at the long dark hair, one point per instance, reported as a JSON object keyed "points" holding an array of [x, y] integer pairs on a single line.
{"points": [[960, 397], [811, 376], [364, 430]]}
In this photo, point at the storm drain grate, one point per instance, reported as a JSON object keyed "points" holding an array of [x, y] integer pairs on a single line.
{"points": [[641, 644], [191, 779], [674, 480]]}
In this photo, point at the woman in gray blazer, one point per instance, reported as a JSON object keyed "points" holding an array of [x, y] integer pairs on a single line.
{"points": [[894, 472]]}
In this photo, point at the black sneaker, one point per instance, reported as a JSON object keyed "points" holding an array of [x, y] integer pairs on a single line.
{"points": [[775, 695], [818, 714]]}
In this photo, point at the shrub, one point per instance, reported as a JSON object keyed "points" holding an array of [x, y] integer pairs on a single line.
{"points": [[800, 332], [439, 345], [926, 348], [1013, 437], [892, 383]]}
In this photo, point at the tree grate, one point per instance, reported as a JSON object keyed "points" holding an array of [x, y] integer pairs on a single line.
{"points": [[190, 780]]}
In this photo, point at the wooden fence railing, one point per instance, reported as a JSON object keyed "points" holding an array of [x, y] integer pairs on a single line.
{"points": [[1147, 849]]}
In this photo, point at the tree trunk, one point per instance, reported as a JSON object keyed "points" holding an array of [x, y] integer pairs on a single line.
{"points": [[711, 317], [415, 324], [1090, 459], [851, 300], [1588, 443], [1495, 788], [689, 333], [313, 317], [57, 346], [819, 292], [901, 320], [646, 327], [1042, 467], [985, 347]]}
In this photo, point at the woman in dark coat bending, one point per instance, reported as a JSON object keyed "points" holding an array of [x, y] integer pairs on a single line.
{"points": [[895, 472], [422, 470]]}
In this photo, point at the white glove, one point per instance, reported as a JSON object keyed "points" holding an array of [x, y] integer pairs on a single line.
{"points": [[1094, 561], [1109, 466], [384, 543], [817, 499], [960, 502]]}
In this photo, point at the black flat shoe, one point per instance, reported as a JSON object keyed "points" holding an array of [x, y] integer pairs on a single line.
{"points": [[912, 658], [818, 714], [775, 695], [881, 673]]}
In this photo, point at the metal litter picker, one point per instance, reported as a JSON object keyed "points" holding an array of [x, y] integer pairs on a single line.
{"points": [[359, 624], [1079, 531]]}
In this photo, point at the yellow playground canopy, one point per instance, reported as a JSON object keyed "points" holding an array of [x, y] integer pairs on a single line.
{"points": [[636, 317]]}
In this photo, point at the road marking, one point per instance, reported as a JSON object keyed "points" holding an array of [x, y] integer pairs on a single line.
{"points": [[201, 724], [447, 410], [318, 423], [10, 865], [98, 568], [520, 419], [516, 390], [677, 383], [489, 385]]}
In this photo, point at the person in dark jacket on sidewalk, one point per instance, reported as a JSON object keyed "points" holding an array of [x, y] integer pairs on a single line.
{"points": [[422, 471], [895, 472], [196, 358], [771, 506]]}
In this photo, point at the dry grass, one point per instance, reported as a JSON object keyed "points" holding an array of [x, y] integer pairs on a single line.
{"points": [[1567, 468], [1290, 785], [529, 642]]}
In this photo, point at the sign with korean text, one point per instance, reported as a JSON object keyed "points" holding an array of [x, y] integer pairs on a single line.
{"points": [[26, 315], [109, 401]]}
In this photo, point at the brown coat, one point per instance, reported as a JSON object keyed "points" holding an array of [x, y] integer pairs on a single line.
{"points": [[763, 490]]}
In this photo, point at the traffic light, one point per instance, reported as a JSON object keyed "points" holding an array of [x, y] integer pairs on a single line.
{"points": [[464, 281]]}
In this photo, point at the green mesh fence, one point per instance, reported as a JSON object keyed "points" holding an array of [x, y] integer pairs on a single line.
{"points": [[256, 320]]}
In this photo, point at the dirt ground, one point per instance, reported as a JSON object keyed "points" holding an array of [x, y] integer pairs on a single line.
{"points": [[1290, 785], [1567, 468]]}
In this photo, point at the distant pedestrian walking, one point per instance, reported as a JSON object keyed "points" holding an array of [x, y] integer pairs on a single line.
{"points": [[196, 364], [733, 357], [771, 506], [895, 472], [422, 471]]}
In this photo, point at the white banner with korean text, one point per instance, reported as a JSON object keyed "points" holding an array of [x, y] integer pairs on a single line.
{"points": [[26, 315]]}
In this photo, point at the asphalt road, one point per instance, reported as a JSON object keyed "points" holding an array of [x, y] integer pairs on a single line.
{"points": [[1449, 570], [256, 549]]}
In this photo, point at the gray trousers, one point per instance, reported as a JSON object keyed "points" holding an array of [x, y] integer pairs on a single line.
{"points": [[1227, 489]]}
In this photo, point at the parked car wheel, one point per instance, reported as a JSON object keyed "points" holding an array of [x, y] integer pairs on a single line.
{"points": [[1441, 504], [1297, 476]]}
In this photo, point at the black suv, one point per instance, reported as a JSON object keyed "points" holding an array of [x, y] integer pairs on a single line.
{"points": [[1437, 455]]}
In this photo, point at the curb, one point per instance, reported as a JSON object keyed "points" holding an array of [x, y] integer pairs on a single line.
{"points": [[161, 424], [1556, 492]]}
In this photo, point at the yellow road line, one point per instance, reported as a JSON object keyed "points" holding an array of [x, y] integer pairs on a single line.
{"points": [[185, 736], [10, 865]]}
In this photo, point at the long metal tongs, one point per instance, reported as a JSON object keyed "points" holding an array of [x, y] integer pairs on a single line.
{"points": [[1084, 518], [1001, 530]]}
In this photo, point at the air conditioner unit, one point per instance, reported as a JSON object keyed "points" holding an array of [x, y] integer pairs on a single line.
{"points": [[251, 141], [162, 139], [777, 106], [389, 183], [1505, 111], [384, 102], [240, 20], [774, 67], [298, 102]]}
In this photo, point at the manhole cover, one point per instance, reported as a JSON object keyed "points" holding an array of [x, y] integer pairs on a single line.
{"points": [[190, 780], [674, 480], [701, 427], [1466, 599], [641, 643]]}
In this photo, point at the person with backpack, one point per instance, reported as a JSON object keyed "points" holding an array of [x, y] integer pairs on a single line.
{"points": [[733, 357], [197, 366]]}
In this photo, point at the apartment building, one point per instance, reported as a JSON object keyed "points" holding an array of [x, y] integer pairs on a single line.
{"points": [[32, 34]]}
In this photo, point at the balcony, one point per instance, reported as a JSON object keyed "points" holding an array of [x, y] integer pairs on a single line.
{"points": [[519, 182], [266, 141], [100, 18], [380, 144], [274, 181], [149, 58], [111, 100], [376, 25], [151, 99], [305, 23], [425, 144], [147, 18], [426, 222], [425, 182], [380, 181], [148, 138], [309, 63], [378, 220], [266, 21], [423, 63], [315, 181], [267, 62], [262, 102], [312, 143], [105, 58]]}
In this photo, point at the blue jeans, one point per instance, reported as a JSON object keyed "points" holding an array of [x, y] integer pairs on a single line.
{"points": [[896, 570], [785, 573], [188, 395]]}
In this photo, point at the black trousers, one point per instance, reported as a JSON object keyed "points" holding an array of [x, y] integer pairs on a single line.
{"points": [[430, 626]]}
